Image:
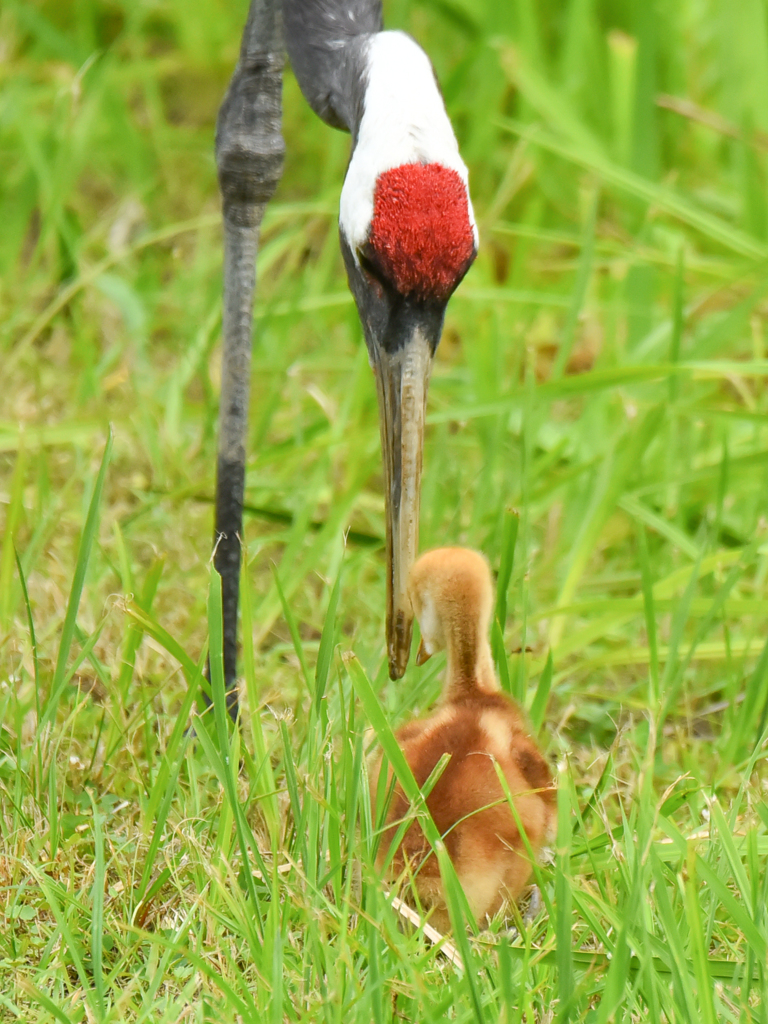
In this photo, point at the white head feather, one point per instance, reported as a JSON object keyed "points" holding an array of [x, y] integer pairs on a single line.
{"points": [[403, 122]]}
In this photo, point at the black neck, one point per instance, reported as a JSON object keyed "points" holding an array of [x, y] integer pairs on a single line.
{"points": [[327, 42]]}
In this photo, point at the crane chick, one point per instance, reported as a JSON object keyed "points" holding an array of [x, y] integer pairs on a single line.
{"points": [[477, 725]]}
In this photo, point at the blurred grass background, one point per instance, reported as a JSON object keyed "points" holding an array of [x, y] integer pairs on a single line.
{"points": [[602, 373]]}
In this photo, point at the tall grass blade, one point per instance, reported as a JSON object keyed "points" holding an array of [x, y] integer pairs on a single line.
{"points": [[649, 611], [656, 195], [12, 520], [164, 790], [264, 782], [683, 994], [97, 909], [460, 918], [752, 712], [619, 463], [81, 567], [563, 902], [161, 635], [622, 57], [506, 563], [698, 952], [394, 755], [222, 721], [68, 1016], [135, 633], [541, 696], [678, 322], [70, 941], [325, 652], [36, 664], [293, 628]]}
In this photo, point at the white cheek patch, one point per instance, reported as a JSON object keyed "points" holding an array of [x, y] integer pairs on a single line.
{"points": [[404, 122]]}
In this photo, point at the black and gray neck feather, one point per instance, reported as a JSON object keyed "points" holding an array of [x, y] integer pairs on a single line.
{"points": [[327, 43]]}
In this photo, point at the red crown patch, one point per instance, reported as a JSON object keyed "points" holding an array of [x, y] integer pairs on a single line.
{"points": [[421, 231]]}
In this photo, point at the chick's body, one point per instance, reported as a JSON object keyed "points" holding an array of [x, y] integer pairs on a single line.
{"points": [[480, 728]]}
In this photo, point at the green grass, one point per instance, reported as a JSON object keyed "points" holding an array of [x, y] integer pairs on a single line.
{"points": [[602, 372]]}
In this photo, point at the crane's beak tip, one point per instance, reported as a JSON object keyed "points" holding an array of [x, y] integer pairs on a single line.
{"points": [[400, 643]]}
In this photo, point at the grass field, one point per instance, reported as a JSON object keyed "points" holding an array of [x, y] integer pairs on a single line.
{"points": [[598, 426]]}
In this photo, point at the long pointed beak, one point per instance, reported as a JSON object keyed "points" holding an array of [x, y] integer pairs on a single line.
{"points": [[402, 380]]}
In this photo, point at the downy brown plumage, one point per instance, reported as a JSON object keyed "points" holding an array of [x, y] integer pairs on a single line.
{"points": [[451, 592]]}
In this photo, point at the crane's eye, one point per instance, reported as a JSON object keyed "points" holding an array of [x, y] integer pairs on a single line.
{"points": [[372, 269]]}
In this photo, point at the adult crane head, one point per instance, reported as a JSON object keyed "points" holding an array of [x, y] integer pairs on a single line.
{"points": [[407, 232]]}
